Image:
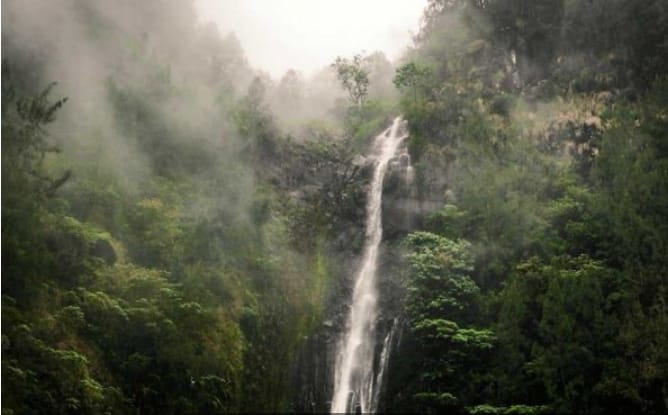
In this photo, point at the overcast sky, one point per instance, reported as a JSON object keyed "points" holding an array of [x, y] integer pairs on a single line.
{"points": [[308, 34]]}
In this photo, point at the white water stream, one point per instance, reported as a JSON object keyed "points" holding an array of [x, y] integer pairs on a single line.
{"points": [[354, 380]]}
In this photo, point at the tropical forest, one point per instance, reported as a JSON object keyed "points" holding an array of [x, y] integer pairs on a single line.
{"points": [[476, 223]]}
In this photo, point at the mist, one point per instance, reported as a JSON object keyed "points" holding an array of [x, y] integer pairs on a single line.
{"points": [[307, 35], [109, 59], [315, 206]]}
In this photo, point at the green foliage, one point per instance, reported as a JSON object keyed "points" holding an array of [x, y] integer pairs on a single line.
{"points": [[553, 150], [28, 187], [26, 143], [255, 123], [441, 299], [354, 78], [514, 409], [557, 320], [414, 77], [195, 247], [161, 277], [438, 270]]}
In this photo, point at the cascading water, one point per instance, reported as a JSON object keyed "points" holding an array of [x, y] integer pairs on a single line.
{"points": [[384, 360], [354, 380]]}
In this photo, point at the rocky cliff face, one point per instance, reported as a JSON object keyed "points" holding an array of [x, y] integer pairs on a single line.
{"points": [[313, 376], [404, 208], [403, 211]]}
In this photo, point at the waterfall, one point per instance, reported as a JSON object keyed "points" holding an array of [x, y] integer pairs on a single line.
{"points": [[354, 380], [384, 360]]}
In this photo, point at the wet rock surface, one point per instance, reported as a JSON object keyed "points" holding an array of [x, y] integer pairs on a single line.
{"points": [[312, 376], [403, 208]]}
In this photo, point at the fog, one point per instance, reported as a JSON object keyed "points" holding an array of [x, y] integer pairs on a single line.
{"points": [[146, 85], [202, 202], [307, 34]]}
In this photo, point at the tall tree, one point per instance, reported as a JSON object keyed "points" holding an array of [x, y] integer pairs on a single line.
{"points": [[354, 77]]}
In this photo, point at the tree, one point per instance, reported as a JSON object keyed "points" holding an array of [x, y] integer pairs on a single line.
{"points": [[291, 87], [25, 142], [27, 186], [354, 77], [413, 76], [255, 121], [440, 306]]}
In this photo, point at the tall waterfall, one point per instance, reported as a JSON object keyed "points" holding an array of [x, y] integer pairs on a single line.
{"points": [[354, 380]]}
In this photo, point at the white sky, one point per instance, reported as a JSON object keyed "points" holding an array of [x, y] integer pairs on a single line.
{"points": [[308, 34]]}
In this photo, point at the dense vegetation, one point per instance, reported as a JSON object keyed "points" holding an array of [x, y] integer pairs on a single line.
{"points": [[175, 228], [155, 258], [541, 284]]}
